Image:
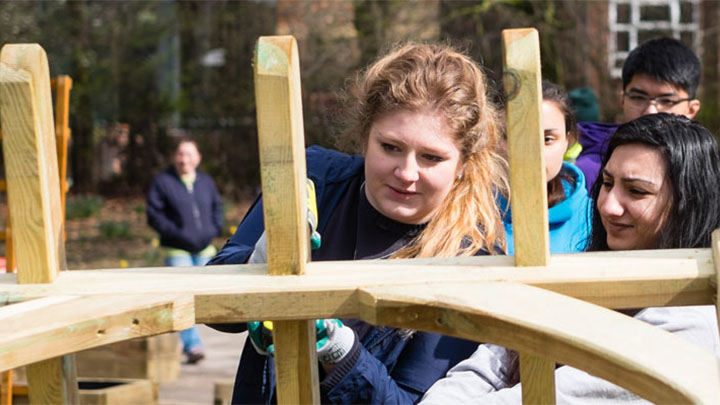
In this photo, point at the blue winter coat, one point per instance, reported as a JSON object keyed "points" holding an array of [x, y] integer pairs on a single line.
{"points": [[569, 219], [388, 367], [186, 220]]}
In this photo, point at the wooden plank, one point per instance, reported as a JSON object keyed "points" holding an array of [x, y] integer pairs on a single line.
{"points": [[628, 279], [57, 325], [652, 363], [33, 194], [528, 186], [62, 85], [31, 162], [282, 168], [528, 190], [542, 369], [716, 259], [6, 387]]}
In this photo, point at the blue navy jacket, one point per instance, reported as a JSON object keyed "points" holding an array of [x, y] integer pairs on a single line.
{"points": [[186, 220], [569, 220], [385, 365]]}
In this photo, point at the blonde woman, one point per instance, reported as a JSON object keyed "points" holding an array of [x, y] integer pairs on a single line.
{"points": [[423, 185]]}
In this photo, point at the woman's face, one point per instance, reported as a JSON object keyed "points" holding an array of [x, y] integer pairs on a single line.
{"points": [[411, 164], [635, 197], [556, 141]]}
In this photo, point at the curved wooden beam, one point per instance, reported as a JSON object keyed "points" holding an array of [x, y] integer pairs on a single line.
{"points": [[53, 326], [644, 359], [653, 363]]}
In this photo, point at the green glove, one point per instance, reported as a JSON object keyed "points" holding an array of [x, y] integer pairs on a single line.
{"points": [[334, 340]]}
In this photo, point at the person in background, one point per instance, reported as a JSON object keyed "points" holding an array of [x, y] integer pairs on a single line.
{"points": [[585, 107], [568, 201], [425, 186], [660, 75], [184, 207], [660, 189]]}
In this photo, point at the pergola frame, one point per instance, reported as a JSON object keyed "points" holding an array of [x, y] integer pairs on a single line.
{"points": [[538, 308]]}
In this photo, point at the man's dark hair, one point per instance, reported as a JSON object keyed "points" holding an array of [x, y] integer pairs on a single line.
{"points": [[664, 59], [693, 173]]}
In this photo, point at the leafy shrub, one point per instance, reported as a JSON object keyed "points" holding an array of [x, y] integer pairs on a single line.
{"points": [[114, 229], [83, 207]]}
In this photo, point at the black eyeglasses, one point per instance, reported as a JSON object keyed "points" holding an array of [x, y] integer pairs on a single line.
{"points": [[662, 103]]}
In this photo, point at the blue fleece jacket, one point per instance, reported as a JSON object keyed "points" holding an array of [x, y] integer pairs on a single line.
{"points": [[569, 219], [385, 365]]}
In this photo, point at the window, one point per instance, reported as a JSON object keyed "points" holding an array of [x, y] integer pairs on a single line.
{"points": [[634, 21]]}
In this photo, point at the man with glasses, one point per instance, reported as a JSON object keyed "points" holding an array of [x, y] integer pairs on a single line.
{"points": [[660, 75]]}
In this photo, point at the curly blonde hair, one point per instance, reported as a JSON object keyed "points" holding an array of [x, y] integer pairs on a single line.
{"points": [[438, 78]]}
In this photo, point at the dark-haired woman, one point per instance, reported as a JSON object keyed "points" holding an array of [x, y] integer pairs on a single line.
{"points": [[659, 189]]}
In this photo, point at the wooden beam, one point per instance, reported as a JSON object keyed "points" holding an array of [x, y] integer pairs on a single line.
{"points": [[654, 364], [31, 162], [282, 168], [236, 293], [33, 192], [605, 343], [62, 85], [528, 189], [58, 325], [528, 186]]}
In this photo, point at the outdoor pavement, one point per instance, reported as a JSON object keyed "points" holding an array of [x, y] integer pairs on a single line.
{"points": [[197, 381]]}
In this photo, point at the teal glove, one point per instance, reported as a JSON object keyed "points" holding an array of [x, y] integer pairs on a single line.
{"points": [[334, 340]]}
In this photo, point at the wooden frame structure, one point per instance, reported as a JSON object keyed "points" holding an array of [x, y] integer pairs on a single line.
{"points": [[549, 308]]}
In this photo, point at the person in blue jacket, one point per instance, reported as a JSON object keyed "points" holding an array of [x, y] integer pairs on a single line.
{"points": [[184, 207], [660, 75], [424, 187], [569, 212]]}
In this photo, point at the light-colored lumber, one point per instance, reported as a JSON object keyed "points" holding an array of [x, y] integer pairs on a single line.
{"points": [[62, 85], [281, 140], [57, 325], [31, 162], [528, 190], [716, 259], [644, 359], [537, 367], [6, 387], [525, 141], [230, 293], [34, 194], [652, 363]]}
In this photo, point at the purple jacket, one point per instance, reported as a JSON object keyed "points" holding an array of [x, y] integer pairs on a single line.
{"points": [[594, 138]]}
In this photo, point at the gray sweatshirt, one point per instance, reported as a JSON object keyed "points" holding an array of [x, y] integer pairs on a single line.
{"points": [[489, 376]]}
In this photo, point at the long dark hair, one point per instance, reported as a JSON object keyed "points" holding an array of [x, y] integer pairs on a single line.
{"points": [[693, 171], [553, 93]]}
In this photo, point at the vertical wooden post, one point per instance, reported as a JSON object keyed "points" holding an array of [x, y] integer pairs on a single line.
{"points": [[528, 185], [62, 85], [6, 384], [282, 163], [34, 194]]}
